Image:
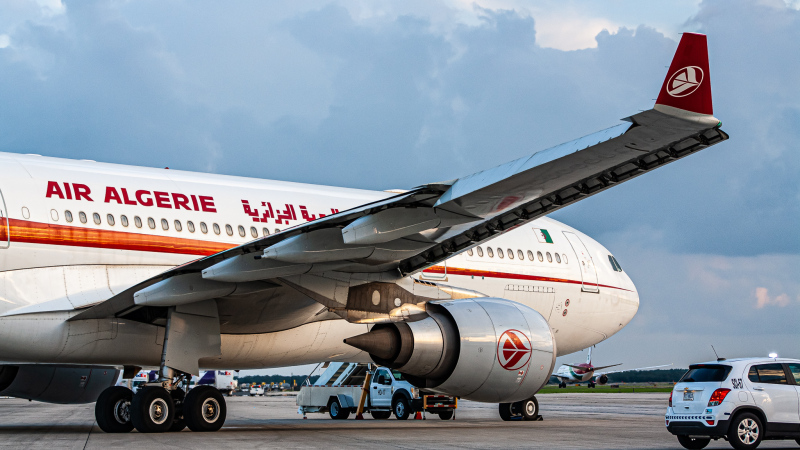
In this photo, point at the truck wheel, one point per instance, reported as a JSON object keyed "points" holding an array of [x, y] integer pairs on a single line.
{"points": [[336, 410], [505, 411], [745, 432], [401, 408], [693, 443], [446, 415], [112, 410], [380, 415]]}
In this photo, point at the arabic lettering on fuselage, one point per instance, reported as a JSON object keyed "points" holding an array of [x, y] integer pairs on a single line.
{"points": [[281, 217]]}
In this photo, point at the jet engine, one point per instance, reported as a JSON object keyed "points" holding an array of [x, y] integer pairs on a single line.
{"points": [[602, 379], [56, 383], [482, 349]]}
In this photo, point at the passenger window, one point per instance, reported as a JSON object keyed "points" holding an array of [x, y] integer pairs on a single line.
{"points": [[123, 219], [540, 256], [769, 373], [520, 255], [68, 215], [480, 251], [253, 232], [242, 233], [490, 252], [549, 257], [229, 230], [165, 224], [190, 226], [216, 228], [795, 370], [558, 258], [110, 219], [530, 255], [277, 230], [178, 226], [203, 228], [54, 215], [500, 252], [510, 253], [470, 252], [265, 232], [564, 257], [137, 221], [96, 218]]}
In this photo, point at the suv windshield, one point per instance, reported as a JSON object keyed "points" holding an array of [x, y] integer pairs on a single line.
{"points": [[706, 373]]}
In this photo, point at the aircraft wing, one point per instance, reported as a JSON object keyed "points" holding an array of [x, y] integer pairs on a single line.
{"points": [[380, 244]]}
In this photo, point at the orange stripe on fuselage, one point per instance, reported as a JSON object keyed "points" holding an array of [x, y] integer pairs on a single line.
{"points": [[508, 276], [51, 234]]}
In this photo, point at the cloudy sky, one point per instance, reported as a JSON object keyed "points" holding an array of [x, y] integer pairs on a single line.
{"points": [[380, 95]]}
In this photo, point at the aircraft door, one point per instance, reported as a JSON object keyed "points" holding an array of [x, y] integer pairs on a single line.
{"points": [[5, 231], [585, 262]]}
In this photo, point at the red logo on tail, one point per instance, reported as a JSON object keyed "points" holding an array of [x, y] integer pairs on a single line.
{"points": [[513, 350]]}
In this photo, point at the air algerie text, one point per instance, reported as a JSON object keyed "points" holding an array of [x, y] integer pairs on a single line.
{"points": [[159, 199]]}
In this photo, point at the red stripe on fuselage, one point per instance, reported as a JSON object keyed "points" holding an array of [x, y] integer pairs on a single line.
{"points": [[51, 234], [509, 276]]}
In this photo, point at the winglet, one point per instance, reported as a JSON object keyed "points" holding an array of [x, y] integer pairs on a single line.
{"points": [[686, 92]]}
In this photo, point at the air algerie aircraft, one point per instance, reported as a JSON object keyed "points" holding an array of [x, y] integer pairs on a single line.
{"points": [[466, 287], [587, 372]]}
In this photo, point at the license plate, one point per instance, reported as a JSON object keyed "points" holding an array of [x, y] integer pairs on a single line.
{"points": [[688, 396]]}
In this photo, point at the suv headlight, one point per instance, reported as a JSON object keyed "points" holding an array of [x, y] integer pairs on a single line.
{"points": [[415, 392]]}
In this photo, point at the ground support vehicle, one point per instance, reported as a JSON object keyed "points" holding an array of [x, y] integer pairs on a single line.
{"points": [[340, 387], [743, 400], [220, 379]]}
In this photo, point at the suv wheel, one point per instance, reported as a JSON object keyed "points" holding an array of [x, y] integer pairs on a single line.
{"points": [[693, 443], [745, 432]]}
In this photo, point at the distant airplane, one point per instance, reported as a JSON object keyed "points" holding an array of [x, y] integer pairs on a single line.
{"points": [[579, 373]]}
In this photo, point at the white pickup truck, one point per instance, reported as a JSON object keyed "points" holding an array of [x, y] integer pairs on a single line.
{"points": [[339, 388]]}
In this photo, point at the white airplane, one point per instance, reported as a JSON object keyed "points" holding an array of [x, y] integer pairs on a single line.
{"points": [[464, 286], [578, 373]]}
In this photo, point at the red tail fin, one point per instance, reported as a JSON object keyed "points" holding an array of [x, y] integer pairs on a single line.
{"points": [[688, 82]]}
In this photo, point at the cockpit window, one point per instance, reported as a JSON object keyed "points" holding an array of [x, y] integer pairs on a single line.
{"points": [[614, 263]]}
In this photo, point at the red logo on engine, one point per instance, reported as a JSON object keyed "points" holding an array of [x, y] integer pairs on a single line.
{"points": [[513, 350]]}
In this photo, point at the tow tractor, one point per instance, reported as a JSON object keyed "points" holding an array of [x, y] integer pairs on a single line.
{"points": [[345, 388]]}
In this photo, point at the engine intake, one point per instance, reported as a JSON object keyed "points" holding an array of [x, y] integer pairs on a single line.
{"points": [[482, 349]]}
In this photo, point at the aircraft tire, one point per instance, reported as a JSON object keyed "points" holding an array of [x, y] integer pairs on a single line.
{"points": [[505, 411], [446, 415], [204, 409], [152, 410], [112, 410], [529, 409]]}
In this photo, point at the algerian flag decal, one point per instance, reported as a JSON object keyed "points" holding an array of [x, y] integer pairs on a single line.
{"points": [[543, 236]]}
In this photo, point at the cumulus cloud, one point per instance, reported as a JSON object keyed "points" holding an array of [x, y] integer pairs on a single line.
{"points": [[763, 299]]}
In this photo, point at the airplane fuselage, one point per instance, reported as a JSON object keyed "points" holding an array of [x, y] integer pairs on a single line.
{"points": [[75, 233]]}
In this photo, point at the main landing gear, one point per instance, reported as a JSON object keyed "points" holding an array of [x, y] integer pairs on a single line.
{"points": [[523, 410], [154, 409]]}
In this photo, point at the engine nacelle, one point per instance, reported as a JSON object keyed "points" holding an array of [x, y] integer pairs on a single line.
{"points": [[56, 383], [482, 349], [602, 379]]}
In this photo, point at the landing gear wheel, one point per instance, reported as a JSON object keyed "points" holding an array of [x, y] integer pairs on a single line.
{"points": [[693, 443], [152, 410], [592, 385], [446, 415], [337, 411], [113, 410], [204, 409], [381, 415], [529, 409], [505, 411], [562, 385], [401, 408], [745, 432]]}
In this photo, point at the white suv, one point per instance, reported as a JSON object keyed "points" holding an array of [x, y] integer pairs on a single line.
{"points": [[740, 400]]}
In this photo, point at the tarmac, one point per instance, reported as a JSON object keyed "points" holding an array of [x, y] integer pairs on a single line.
{"points": [[580, 421]]}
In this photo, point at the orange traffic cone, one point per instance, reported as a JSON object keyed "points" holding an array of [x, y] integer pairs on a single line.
{"points": [[418, 416]]}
